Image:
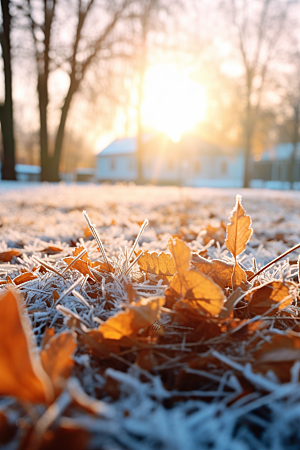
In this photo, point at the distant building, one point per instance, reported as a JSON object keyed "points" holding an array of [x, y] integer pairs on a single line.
{"points": [[271, 169], [190, 162], [85, 174], [26, 172]]}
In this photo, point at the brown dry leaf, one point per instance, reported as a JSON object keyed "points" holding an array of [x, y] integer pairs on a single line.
{"points": [[262, 299], [27, 276], [21, 373], [56, 358], [49, 332], [146, 360], [216, 233], [278, 355], [52, 250], [219, 271], [160, 264], [181, 254], [84, 263], [128, 323], [55, 295], [239, 232], [8, 255], [239, 276], [193, 286], [131, 292], [81, 266]]}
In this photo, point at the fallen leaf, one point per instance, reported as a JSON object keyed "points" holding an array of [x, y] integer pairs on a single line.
{"points": [[239, 232], [128, 323], [278, 355], [21, 373], [56, 358], [160, 264], [52, 250], [8, 255], [27, 276], [131, 292], [49, 332], [193, 286], [219, 271], [263, 298]]}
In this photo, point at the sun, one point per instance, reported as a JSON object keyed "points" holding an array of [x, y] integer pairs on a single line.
{"points": [[173, 103]]}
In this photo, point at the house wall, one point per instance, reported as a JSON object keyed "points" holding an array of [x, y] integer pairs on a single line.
{"points": [[116, 168]]}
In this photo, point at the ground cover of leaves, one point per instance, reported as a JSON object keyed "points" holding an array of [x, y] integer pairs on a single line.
{"points": [[175, 340]]}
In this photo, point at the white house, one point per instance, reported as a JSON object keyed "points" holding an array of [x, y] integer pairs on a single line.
{"points": [[272, 169], [191, 162]]}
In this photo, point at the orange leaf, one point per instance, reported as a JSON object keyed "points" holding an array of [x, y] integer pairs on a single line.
{"points": [[56, 358], [239, 229], [8, 255], [127, 323], [21, 373], [239, 276], [278, 355], [52, 250], [160, 264], [192, 285], [81, 266], [268, 295], [27, 276], [219, 271]]}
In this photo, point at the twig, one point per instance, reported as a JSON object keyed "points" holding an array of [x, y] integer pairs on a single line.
{"points": [[273, 262]]}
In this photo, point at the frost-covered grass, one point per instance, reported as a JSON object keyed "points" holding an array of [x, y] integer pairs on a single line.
{"points": [[32, 216]]}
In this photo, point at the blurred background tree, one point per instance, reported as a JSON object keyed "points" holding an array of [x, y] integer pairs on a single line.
{"points": [[78, 74]]}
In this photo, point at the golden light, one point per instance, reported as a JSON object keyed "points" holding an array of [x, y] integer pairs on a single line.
{"points": [[173, 103]]}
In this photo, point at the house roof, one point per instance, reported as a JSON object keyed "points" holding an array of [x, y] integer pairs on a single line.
{"points": [[280, 152], [189, 143], [124, 146]]}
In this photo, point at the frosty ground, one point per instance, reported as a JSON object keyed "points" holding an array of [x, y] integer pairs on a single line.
{"points": [[32, 216]]}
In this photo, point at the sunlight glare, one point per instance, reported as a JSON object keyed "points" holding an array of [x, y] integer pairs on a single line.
{"points": [[173, 103]]}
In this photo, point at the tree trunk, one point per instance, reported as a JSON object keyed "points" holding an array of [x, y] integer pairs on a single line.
{"points": [[248, 128], [7, 125], [61, 128], [295, 144]]}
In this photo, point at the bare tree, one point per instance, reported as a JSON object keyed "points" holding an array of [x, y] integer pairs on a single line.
{"points": [[258, 26], [291, 101], [6, 109], [84, 46]]}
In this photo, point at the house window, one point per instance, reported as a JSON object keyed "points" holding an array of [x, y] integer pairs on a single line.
{"points": [[112, 163], [197, 167], [224, 168]]}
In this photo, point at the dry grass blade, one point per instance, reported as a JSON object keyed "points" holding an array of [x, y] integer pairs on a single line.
{"points": [[97, 238], [83, 252], [47, 266]]}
